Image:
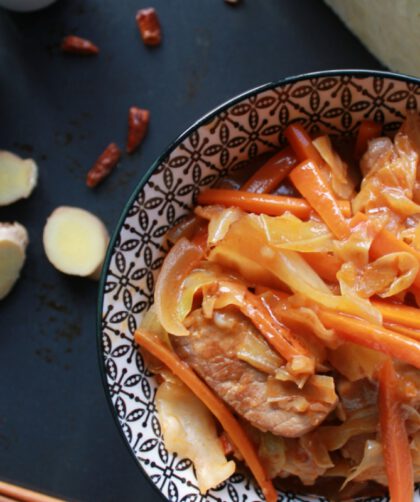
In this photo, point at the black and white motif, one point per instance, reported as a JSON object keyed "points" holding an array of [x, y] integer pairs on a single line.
{"points": [[335, 104]]}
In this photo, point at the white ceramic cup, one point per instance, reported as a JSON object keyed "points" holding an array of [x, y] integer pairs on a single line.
{"points": [[25, 5]]}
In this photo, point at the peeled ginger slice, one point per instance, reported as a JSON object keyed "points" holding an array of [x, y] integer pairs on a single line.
{"points": [[18, 177], [189, 430], [75, 241], [13, 242]]}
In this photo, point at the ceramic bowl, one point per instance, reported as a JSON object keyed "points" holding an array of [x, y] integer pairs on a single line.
{"points": [[222, 141]]}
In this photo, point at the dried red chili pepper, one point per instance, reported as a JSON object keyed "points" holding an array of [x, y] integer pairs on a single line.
{"points": [[138, 121], [103, 165], [149, 26], [77, 45]]}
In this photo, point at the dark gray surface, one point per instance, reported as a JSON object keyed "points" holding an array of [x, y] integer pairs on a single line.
{"points": [[56, 431]]}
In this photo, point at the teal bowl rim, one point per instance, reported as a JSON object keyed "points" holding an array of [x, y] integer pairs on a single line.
{"points": [[149, 172]]}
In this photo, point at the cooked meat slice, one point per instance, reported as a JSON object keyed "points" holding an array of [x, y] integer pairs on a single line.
{"points": [[211, 350]]}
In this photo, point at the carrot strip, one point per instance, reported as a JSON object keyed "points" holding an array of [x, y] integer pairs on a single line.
{"points": [[388, 314], [276, 334], [368, 130], [394, 437], [361, 332], [309, 182], [398, 314], [274, 205], [229, 423], [404, 330], [302, 145], [324, 264], [397, 318], [272, 173]]}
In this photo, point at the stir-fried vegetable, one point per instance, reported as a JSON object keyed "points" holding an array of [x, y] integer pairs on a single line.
{"points": [[188, 429], [375, 337], [274, 205], [386, 243], [368, 130], [179, 262], [289, 232], [272, 173], [326, 265], [292, 320], [213, 403], [390, 181], [395, 443], [247, 237], [308, 180], [302, 144], [341, 183]]}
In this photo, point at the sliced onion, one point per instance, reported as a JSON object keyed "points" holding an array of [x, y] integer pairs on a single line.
{"points": [[178, 263]]}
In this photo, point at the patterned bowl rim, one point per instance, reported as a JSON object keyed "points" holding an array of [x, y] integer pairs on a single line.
{"points": [[149, 172]]}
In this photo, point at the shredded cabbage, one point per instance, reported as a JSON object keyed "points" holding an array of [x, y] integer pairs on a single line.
{"points": [[317, 394], [390, 176], [232, 259], [272, 451], [219, 225], [334, 437], [355, 248], [189, 430], [372, 465], [302, 319], [220, 219], [316, 450], [300, 463], [356, 362], [299, 457], [289, 232], [387, 276], [341, 182], [247, 238], [411, 128]]}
